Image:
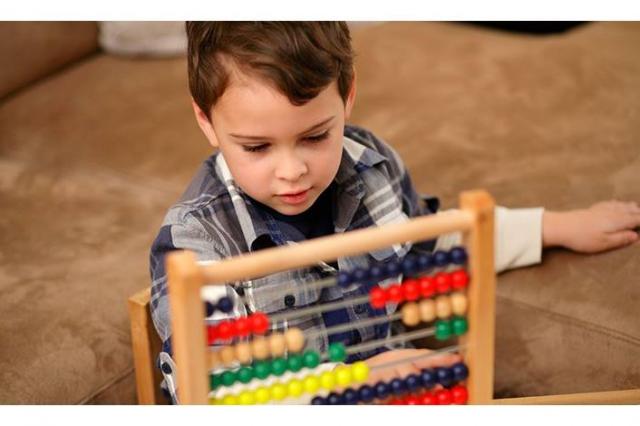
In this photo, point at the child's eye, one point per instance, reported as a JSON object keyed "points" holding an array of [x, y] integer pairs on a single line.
{"points": [[255, 148], [318, 138]]}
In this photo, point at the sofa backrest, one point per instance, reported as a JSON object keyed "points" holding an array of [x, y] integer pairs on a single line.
{"points": [[32, 50]]}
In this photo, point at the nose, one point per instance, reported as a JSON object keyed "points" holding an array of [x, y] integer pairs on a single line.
{"points": [[291, 167]]}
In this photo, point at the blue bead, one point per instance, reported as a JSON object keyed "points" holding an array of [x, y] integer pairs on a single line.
{"points": [[318, 400], [351, 397], [209, 307], [458, 255], [398, 387], [392, 269], [409, 265], [360, 275], [460, 372], [335, 399], [366, 393], [376, 272], [425, 261], [225, 305], [441, 258], [344, 279], [413, 382], [428, 377], [382, 390], [444, 376]]}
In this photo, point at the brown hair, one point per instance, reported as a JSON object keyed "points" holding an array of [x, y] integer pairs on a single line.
{"points": [[299, 58]]}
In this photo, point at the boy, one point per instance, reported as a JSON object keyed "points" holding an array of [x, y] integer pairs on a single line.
{"points": [[273, 98]]}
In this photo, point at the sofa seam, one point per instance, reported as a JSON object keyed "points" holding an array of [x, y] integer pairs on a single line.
{"points": [[106, 386]]}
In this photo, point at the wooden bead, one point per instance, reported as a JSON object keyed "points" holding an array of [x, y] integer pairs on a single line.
{"points": [[277, 344], [214, 359], [459, 303], [443, 307], [228, 355], [427, 310], [295, 339], [260, 348], [243, 352], [410, 314]]}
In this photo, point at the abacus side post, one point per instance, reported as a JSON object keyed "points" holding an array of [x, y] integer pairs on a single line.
{"points": [[480, 338], [188, 331]]}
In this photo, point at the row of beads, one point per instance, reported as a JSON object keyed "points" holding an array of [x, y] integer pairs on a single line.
{"points": [[428, 310], [256, 323], [456, 395], [259, 348], [410, 265], [276, 367], [418, 288], [343, 375], [428, 378]]}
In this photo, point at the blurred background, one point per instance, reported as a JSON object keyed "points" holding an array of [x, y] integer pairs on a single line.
{"points": [[98, 139]]}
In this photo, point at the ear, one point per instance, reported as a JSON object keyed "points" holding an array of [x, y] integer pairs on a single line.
{"points": [[205, 124], [351, 98]]}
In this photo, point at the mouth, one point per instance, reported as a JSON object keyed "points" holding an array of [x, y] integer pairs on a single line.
{"points": [[294, 198]]}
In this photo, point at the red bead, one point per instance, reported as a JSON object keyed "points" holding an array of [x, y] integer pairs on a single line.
{"points": [[459, 279], [411, 400], [443, 396], [377, 297], [212, 334], [459, 395], [443, 282], [396, 401], [242, 327], [259, 322], [411, 289], [427, 286], [225, 330], [394, 293], [427, 398]]}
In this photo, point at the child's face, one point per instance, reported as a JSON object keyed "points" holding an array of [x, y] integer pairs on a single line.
{"points": [[279, 154]]}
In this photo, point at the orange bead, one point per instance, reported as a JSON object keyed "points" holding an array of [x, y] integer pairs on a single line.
{"points": [[214, 358], [443, 307], [243, 352], [295, 339], [459, 303], [277, 344], [427, 310], [410, 314], [260, 348], [228, 355]]}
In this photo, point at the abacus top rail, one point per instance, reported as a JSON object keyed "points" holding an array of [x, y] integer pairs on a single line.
{"points": [[331, 247]]}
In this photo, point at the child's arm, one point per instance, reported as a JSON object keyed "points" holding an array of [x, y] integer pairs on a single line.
{"points": [[603, 226]]}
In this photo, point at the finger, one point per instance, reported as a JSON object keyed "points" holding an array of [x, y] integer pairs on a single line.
{"points": [[443, 360], [620, 239]]}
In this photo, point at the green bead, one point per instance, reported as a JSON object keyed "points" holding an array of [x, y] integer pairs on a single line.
{"points": [[337, 353], [459, 325], [294, 363], [228, 378], [245, 375], [443, 329], [261, 369], [311, 359], [215, 380], [278, 366]]}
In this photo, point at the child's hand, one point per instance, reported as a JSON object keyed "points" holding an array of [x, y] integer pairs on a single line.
{"points": [[406, 368], [603, 226]]}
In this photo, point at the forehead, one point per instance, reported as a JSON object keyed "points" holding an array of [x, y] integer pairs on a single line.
{"points": [[254, 107]]}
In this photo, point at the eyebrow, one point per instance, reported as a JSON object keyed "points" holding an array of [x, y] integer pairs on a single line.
{"points": [[262, 138]]}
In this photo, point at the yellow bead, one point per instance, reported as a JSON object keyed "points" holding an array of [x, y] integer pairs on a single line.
{"points": [[427, 310], [360, 371], [343, 375], [215, 401], [277, 344], [295, 388], [262, 395], [230, 400], [459, 303], [327, 380], [228, 355], [410, 314], [311, 384], [295, 339], [278, 391], [246, 398], [243, 352], [443, 307], [260, 348]]}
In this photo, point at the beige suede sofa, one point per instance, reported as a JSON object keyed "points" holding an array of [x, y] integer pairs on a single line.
{"points": [[95, 147]]}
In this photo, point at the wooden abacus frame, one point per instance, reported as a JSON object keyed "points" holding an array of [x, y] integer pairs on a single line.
{"points": [[475, 219]]}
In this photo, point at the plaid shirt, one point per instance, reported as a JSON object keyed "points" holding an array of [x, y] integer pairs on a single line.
{"points": [[216, 220]]}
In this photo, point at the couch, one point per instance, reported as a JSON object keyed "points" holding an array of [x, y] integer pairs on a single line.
{"points": [[94, 147]]}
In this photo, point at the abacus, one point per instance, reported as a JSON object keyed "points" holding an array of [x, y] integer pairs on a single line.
{"points": [[450, 293]]}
